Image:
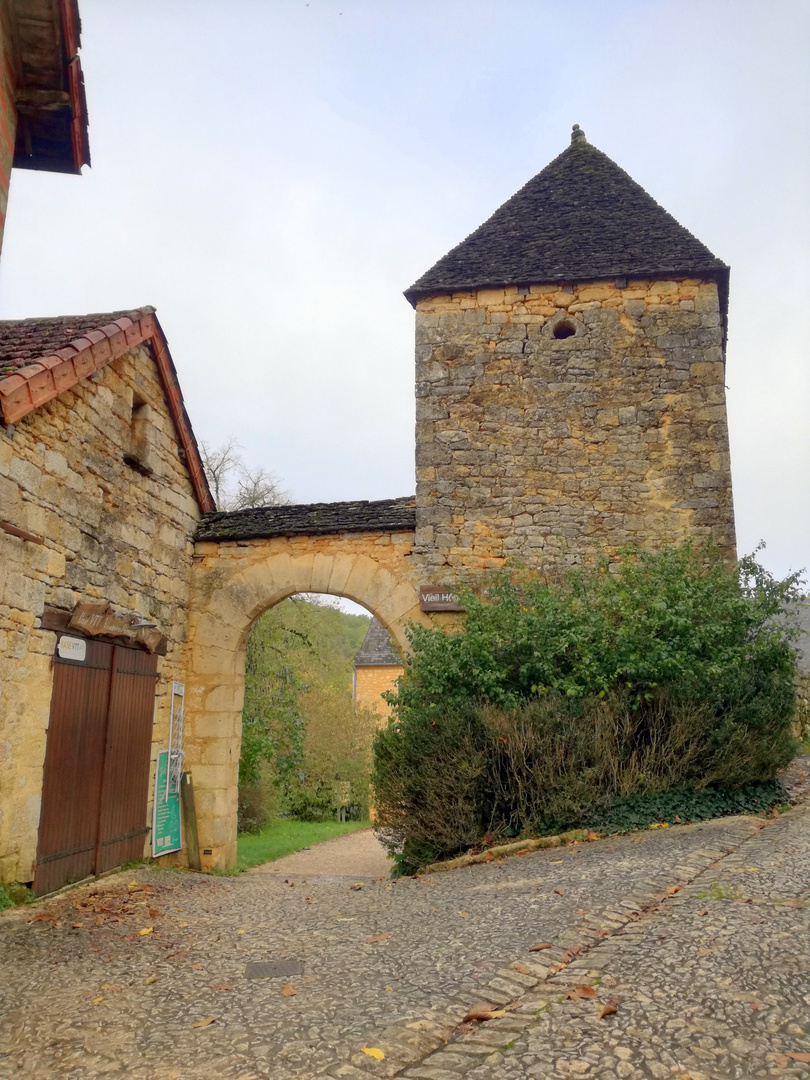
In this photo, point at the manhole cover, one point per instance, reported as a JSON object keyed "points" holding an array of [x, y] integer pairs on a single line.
{"points": [[273, 969]]}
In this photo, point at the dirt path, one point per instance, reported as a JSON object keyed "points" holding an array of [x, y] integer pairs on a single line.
{"points": [[357, 855]]}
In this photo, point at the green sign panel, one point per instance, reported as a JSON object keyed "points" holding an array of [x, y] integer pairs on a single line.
{"points": [[166, 811]]}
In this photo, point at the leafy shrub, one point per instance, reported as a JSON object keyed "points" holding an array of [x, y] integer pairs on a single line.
{"points": [[556, 699], [258, 802], [14, 894]]}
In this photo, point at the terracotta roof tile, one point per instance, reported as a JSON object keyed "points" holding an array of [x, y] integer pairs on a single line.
{"points": [[41, 358], [381, 515], [580, 219], [23, 340]]}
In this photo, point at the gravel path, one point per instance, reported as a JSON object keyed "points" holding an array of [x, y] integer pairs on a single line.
{"points": [[700, 932], [355, 855]]}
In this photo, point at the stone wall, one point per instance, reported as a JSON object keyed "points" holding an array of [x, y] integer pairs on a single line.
{"points": [[8, 110], [370, 682], [99, 528], [554, 449]]}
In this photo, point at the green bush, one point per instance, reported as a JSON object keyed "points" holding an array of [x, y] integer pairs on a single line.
{"points": [[556, 699], [14, 894]]}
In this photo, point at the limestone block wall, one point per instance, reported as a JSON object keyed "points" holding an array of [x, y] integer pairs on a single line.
{"points": [[97, 528], [233, 583], [371, 682], [8, 110], [553, 449]]}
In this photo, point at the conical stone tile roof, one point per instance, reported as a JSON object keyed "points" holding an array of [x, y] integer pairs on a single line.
{"points": [[579, 219]]}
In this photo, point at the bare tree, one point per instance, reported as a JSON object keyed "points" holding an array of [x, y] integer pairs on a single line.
{"points": [[235, 486]]}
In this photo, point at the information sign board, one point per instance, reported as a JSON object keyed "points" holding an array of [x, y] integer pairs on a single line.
{"points": [[166, 835], [438, 598]]}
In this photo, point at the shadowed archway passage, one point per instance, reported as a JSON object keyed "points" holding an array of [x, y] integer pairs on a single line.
{"points": [[245, 563]]}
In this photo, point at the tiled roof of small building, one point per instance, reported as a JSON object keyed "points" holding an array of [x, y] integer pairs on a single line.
{"points": [[377, 649], [579, 219], [25, 340], [42, 358], [381, 515]]}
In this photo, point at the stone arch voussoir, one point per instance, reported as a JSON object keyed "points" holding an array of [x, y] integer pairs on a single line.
{"points": [[233, 586]]}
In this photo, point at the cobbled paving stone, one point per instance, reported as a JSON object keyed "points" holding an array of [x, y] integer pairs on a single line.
{"points": [[700, 933]]}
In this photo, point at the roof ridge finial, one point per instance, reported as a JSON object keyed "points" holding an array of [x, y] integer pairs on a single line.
{"points": [[577, 134]]}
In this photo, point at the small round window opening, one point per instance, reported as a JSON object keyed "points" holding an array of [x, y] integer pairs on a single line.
{"points": [[565, 328]]}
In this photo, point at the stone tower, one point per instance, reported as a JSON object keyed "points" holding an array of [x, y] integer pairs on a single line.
{"points": [[570, 379]]}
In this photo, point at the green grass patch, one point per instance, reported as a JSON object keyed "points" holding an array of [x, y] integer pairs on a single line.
{"points": [[286, 835], [14, 895]]}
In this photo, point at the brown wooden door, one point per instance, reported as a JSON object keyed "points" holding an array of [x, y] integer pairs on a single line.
{"points": [[96, 776]]}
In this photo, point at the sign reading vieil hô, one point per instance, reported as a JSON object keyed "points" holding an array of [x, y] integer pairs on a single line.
{"points": [[438, 598]]}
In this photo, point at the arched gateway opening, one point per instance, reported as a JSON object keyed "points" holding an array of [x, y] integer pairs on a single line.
{"points": [[245, 563]]}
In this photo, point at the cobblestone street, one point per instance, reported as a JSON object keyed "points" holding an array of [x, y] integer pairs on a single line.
{"points": [[698, 936]]}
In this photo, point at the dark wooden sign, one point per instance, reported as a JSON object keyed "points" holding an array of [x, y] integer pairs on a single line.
{"points": [[438, 598]]}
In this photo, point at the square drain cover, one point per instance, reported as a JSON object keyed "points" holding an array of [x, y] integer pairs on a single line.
{"points": [[273, 969]]}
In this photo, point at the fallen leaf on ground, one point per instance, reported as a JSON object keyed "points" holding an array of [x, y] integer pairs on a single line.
{"points": [[704, 912], [146, 930], [288, 990], [132, 885], [540, 947], [204, 1023], [524, 851], [377, 937], [673, 889], [197, 967], [582, 990], [97, 1000], [240, 931], [483, 1014], [522, 969], [150, 979], [610, 1007], [591, 835], [489, 857], [221, 986], [559, 892], [464, 914], [182, 924], [582, 912], [374, 1052], [358, 885], [175, 1074], [805, 1058]]}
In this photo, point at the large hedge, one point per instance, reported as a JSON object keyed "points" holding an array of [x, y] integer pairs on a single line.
{"points": [[558, 700]]}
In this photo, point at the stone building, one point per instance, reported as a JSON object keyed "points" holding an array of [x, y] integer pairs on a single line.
{"points": [[570, 399], [43, 115], [101, 489], [570, 360], [377, 666]]}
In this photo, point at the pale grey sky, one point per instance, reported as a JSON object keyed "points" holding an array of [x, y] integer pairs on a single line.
{"points": [[271, 174]]}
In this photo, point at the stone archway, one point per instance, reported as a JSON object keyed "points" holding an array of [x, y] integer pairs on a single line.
{"points": [[232, 584]]}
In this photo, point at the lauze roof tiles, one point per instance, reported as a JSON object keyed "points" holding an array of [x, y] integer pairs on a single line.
{"points": [[380, 515], [580, 219]]}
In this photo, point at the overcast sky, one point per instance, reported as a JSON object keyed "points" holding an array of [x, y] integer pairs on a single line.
{"points": [[272, 174]]}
